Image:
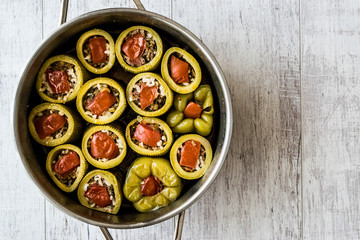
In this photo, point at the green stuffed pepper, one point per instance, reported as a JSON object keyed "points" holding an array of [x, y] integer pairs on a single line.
{"points": [[101, 190], [193, 112], [151, 184], [66, 166]]}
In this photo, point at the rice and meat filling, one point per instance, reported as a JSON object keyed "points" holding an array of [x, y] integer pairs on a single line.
{"points": [[149, 51], [70, 75], [68, 178], [116, 139], [98, 181], [88, 56], [200, 161], [156, 127], [59, 133], [157, 103], [93, 92], [191, 71]]}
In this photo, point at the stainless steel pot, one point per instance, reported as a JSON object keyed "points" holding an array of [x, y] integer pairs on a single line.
{"points": [[118, 16]]}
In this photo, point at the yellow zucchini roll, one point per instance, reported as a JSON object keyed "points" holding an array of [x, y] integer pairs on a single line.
{"points": [[180, 70], [149, 95], [60, 79], [151, 184], [104, 146], [190, 156], [139, 49], [149, 136], [66, 166], [101, 100], [101, 190], [52, 124], [95, 49]]}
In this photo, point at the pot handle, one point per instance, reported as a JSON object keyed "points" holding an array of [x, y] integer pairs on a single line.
{"points": [[104, 230]]}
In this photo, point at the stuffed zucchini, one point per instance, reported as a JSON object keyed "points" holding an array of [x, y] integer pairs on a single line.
{"points": [[180, 70], [60, 79], [190, 156], [149, 95], [193, 112], [96, 51], [101, 190], [149, 136], [151, 184], [139, 49], [101, 100], [104, 146], [52, 124], [66, 166]]}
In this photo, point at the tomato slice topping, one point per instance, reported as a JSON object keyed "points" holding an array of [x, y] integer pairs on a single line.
{"points": [[179, 70], [58, 80], [101, 102], [150, 186], [99, 195], [98, 48], [49, 124], [190, 154], [192, 110], [67, 163], [147, 95], [147, 135], [103, 146], [134, 47]]}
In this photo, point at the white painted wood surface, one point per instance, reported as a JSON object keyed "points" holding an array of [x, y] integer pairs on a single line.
{"points": [[293, 168]]}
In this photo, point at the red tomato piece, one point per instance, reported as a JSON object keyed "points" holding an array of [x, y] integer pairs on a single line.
{"points": [[101, 102], [98, 48], [150, 186], [192, 110], [58, 80], [190, 154], [147, 95], [179, 70], [49, 124], [67, 163], [99, 195], [103, 146], [147, 135], [134, 47]]}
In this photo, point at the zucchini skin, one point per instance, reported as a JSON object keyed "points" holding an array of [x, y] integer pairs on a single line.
{"points": [[102, 80], [166, 75], [202, 125], [80, 55], [169, 95], [150, 66], [80, 72], [175, 164], [144, 167], [112, 162], [148, 152], [112, 178], [83, 166], [74, 121]]}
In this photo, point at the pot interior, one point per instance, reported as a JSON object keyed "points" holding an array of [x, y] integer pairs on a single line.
{"points": [[63, 41]]}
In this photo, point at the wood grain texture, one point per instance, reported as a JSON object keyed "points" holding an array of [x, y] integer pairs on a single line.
{"points": [[331, 119], [21, 203], [257, 195]]}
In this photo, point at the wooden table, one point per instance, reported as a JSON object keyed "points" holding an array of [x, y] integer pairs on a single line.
{"points": [[293, 168]]}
